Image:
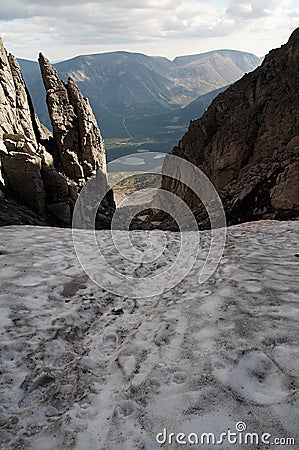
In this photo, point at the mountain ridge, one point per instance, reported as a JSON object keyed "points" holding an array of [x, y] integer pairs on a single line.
{"points": [[124, 84]]}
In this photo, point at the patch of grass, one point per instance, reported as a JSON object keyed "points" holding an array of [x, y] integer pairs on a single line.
{"points": [[133, 181], [182, 101], [116, 143]]}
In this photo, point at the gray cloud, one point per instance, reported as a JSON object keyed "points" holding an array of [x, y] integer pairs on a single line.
{"points": [[42, 8], [66, 28]]}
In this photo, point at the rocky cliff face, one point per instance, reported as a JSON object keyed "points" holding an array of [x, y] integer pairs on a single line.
{"points": [[14, 102], [41, 174], [247, 142], [79, 142]]}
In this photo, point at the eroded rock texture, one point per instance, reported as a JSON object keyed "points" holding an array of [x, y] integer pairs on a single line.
{"points": [[41, 175], [247, 142], [77, 135]]}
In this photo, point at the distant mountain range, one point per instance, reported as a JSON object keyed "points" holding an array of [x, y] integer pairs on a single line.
{"points": [[145, 100]]}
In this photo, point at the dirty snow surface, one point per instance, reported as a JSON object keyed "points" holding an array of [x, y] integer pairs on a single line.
{"points": [[85, 369]]}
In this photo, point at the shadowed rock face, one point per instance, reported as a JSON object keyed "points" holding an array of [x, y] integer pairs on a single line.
{"points": [[42, 174], [247, 142]]}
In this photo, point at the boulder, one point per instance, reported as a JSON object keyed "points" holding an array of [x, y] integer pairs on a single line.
{"points": [[56, 185], [76, 132], [24, 177]]}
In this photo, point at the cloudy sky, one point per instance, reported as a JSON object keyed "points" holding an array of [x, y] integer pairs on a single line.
{"points": [[156, 27]]}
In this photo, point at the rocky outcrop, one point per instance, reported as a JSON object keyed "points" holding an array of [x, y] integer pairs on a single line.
{"points": [[15, 113], [41, 173], [247, 142], [24, 175], [79, 142]]}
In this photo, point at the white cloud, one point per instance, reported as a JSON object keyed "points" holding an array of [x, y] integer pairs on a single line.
{"points": [[167, 27], [192, 20], [255, 9]]}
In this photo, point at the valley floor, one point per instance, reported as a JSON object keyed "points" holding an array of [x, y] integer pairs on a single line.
{"points": [[84, 369]]}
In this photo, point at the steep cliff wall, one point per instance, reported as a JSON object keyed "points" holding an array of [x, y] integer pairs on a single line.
{"points": [[247, 142]]}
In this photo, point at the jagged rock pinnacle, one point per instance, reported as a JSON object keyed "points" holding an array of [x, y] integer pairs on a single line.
{"points": [[75, 129], [41, 174]]}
